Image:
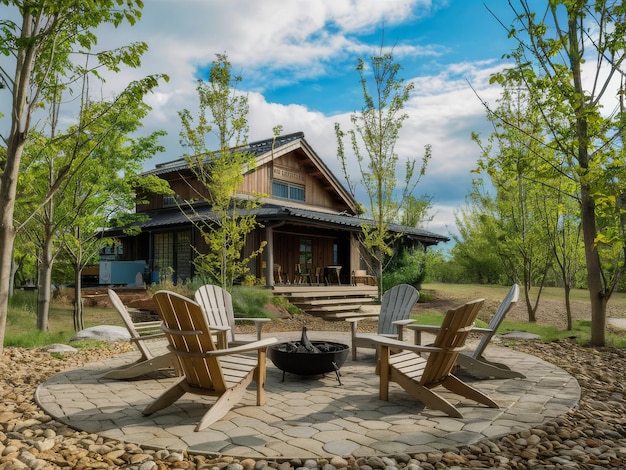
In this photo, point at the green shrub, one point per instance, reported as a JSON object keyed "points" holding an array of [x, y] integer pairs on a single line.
{"points": [[250, 302], [407, 267]]}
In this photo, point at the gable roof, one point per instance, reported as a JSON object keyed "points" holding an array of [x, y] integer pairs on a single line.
{"points": [[269, 149]]}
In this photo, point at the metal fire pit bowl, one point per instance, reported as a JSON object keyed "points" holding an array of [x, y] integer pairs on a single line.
{"points": [[330, 358]]}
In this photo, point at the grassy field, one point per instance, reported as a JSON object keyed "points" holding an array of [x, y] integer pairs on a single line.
{"points": [[469, 291], [551, 299], [22, 331], [21, 328]]}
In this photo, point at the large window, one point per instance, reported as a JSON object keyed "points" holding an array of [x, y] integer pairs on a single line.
{"points": [[172, 255], [306, 254], [289, 191]]}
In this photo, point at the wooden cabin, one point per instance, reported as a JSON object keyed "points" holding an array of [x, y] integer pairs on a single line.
{"points": [[308, 219]]}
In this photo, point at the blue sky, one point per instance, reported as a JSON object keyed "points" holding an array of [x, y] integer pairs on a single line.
{"points": [[298, 58]]}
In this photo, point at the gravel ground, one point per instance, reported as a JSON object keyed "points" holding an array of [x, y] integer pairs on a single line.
{"points": [[592, 436]]}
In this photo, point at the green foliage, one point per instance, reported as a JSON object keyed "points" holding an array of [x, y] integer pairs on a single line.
{"points": [[373, 137], [443, 268], [585, 140], [186, 289], [282, 302], [407, 267], [250, 302], [223, 111]]}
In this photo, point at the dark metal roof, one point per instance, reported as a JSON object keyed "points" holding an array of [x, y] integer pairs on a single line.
{"points": [[269, 213], [257, 148]]}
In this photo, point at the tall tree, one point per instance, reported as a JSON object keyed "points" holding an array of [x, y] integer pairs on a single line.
{"points": [[512, 161], [42, 44], [223, 112], [99, 191], [373, 137], [573, 52]]}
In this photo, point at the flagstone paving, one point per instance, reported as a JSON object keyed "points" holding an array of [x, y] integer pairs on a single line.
{"points": [[309, 417]]}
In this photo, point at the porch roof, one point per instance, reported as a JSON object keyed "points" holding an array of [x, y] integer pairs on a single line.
{"points": [[269, 214]]}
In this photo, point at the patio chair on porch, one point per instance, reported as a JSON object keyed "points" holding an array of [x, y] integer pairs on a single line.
{"points": [[207, 370], [301, 276], [141, 334], [473, 361], [395, 309], [418, 376], [217, 304]]}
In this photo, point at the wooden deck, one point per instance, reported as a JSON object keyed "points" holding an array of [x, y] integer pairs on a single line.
{"points": [[335, 302]]}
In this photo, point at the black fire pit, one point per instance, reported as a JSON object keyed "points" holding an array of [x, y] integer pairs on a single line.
{"points": [[306, 357]]}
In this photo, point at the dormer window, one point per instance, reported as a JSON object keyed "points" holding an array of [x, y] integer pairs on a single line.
{"points": [[170, 200], [283, 190]]}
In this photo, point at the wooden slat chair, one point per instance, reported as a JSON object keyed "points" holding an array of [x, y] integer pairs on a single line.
{"points": [[217, 304], [141, 333], [395, 309], [207, 370], [301, 276], [418, 375], [474, 361]]}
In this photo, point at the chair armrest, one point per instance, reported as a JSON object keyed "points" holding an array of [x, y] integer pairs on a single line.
{"points": [[427, 328], [418, 329], [397, 344], [400, 324], [243, 348], [482, 330], [221, 332], [258, 323], [149, 337]]}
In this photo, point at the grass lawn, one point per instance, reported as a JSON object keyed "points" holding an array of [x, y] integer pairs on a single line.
{"points": [[21, 328]]}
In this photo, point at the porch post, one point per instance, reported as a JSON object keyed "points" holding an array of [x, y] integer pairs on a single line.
{"points": [[269, 256]]}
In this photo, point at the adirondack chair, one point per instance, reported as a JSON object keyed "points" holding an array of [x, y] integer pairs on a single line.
{"points": [[418, 375], [473, 361], [217, 304], [395, 309], [141, 333], [207, 370]]}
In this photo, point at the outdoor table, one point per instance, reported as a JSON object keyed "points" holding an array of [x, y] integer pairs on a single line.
{"points": [[332, 273]]}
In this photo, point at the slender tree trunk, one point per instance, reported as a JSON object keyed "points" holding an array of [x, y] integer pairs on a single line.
{"points": [[597, 294], [8, 189], [568, 304], [44, 286], [79, 323], [16, 140]]}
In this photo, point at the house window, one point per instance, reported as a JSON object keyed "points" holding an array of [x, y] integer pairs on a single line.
{"points": [[289, 191], [172, 256], [171, 200], [306, 254]]}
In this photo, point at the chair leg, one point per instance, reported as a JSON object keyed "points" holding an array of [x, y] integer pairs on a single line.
{"points": [[425, 395], [167, 398], [481, 368], [224, 403], [459, 387], [165, 361]]}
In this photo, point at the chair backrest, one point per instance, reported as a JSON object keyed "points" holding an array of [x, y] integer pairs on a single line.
{"points": [[456, 326], [507, 304], [396, 304], [128, 322], [278, 274], [189, 336], [217, 304]]}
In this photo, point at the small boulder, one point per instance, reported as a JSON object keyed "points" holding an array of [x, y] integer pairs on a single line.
{"points": [[60, 348], [108, 333]]}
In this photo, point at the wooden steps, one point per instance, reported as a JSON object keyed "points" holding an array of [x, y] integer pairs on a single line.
{"points": [[330, 302]]}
